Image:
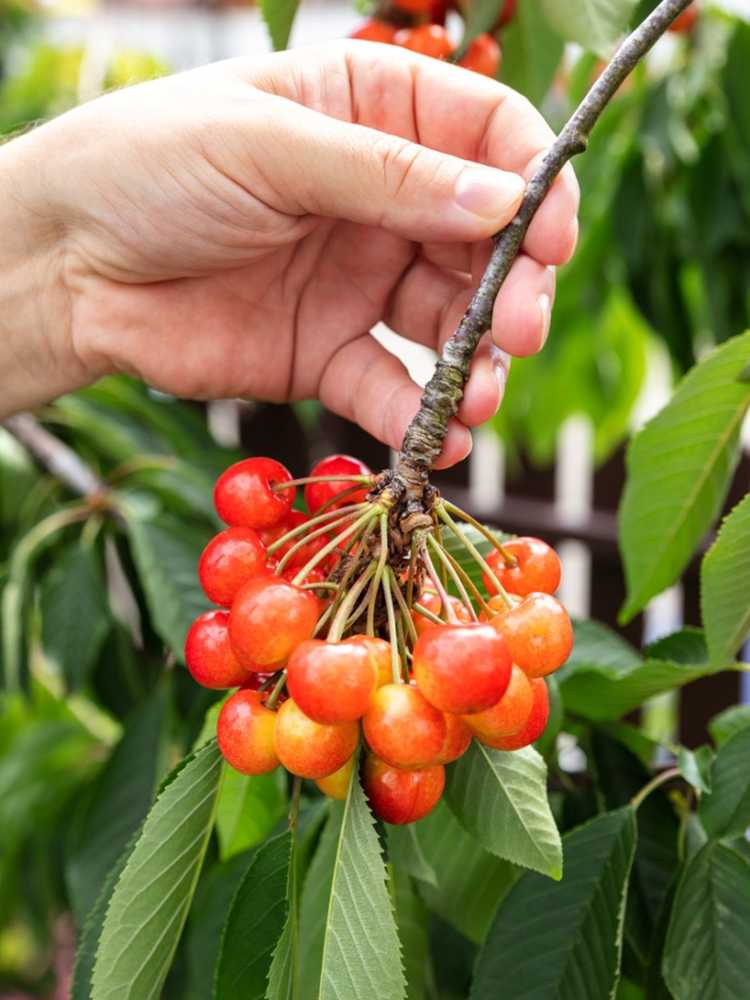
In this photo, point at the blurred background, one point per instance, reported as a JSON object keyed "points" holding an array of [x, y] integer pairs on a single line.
{"points": [[662, 273]]}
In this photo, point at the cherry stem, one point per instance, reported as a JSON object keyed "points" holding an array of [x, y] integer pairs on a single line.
{"points": [[475, 553], [465, 599], [304, 480], [313, 522], [382, 559], [475, 591], [410, 577], [307, 536], [392, 632], [510, 559], [338, 497], [660, 779], [446, 606], [429, 615], [339, 622], [323, 585], [403, 606], [279, 687], [334, 544]]}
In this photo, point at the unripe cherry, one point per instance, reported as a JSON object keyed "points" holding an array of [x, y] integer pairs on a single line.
{"points": [[461, 668], [379, 652], [375, 31], [230, 559], [430, 600], [318, 494], [336, 785], [269, 618], [398, 796], [537, 567], [245, 733], [209, 655], [538, 634], [535, 724], [244, 495], [331, 681], [403, 728], [310, 749], [457, 738], [509, 715]]}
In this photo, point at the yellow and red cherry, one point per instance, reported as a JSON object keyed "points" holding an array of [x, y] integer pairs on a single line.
{"points": [[244, 494], [209, 655], [311, 749], [379, 652], [319, 494], [535, 723], [336, 785], [457, 738], [269, 618], [230, 559], [403, 728], [536, 567], [430, 600], [538, 633], [401, 796], [482, 56], [509, 715], [245, 733], [461, 668], [331, 681]]}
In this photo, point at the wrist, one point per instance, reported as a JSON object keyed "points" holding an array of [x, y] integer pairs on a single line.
{"points": [[37, 358]]}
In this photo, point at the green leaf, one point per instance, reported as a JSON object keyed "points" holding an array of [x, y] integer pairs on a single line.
{"points": [[598, 645], [480, 16], [695, 766], [706, 955], [314, 903], [725, 585], [254, 923], [75, 618], [412, 920], [248, 810], [724, 725], [152, 897], [166, 554], [531, 53], [405, 852], [726, 811], [679, 469], [564, 940], [120, 800], [284, 969], [595, 24], [502, 799], [279, 17], [470, 881]]}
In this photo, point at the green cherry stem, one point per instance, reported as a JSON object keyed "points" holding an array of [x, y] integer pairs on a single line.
{"points": [[315, 522], [307, 536], [380, 569], [392, 631], [304, 480], [510, 559], [403, 606], [429, 615], [353, 529], [278, 688], [440, 553], [474, 590], [339, 622], [474, 551], [446, 607], [660, 779]]}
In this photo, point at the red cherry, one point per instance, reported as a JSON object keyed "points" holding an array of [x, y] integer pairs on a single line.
{"points": [[379, 652], [209, 655], [685, 23], [431, 600], [538, 634], [245, 733], [535, 724], [269, 618], [507, 13], [461, 668], [244, 498], [398, 796], [331, 681], [318, 494], [509, 715], [229, 560], [413, 6], [309, 749], [428, 39], [336, 785], [375, 31], [483, 56], [457, 739], [403, 728], [438, 11], [537, 567]]}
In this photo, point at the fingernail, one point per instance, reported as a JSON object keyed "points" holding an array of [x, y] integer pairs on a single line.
{"points": [[490, 194], [545, 307]]}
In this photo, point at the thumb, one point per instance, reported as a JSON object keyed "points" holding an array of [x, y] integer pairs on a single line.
{"points": [[336, 169]]}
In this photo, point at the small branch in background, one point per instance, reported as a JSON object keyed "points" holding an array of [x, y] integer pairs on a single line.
{"points": [[56, 457]]}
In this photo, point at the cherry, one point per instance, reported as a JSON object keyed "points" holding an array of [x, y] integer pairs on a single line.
{"points": [[331, 681], [245, 733], [537, 567], [431, 600], [538, 634], [414, 6], [507, 13], [269, 618], [438, 11], [336, 785], [457, 739], [497, 605], [509, 715], [229, 560], [535, 724], [209, 655], [428, 39], [397, 796], [686, 21], [403, 728], [375, 31], [318, 494], [305, 553], [310, 749], [461, 668], [244, 498], [379, 652], [483, 56]]}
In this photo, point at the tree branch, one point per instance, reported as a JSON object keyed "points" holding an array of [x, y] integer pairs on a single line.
{"points": [[425, 435], [54, 455]]}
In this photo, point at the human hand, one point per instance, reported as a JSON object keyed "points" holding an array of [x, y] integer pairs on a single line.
{"points": [[238, 229]]}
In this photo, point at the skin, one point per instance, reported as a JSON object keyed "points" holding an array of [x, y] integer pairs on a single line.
{"points": [[238, 229], [461, 668], [229, 560], [331, 682]]}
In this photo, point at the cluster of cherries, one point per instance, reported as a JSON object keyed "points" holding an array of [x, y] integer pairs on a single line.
{"points": [[304, 701], [419, 25]]}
